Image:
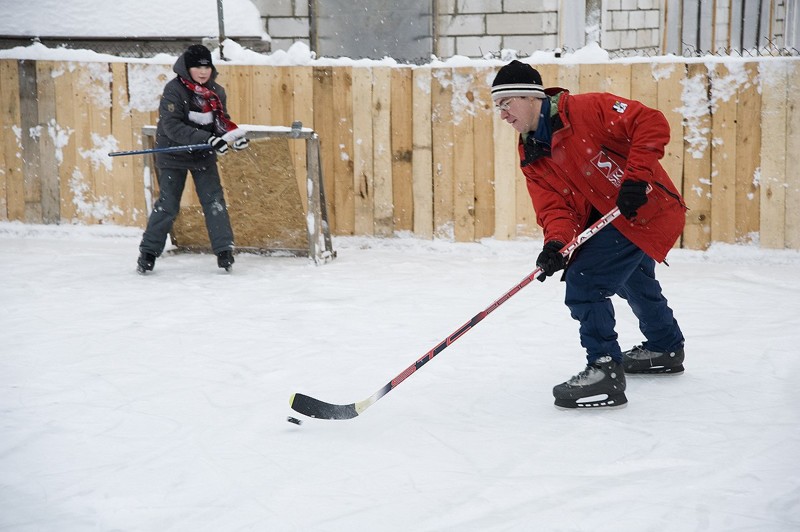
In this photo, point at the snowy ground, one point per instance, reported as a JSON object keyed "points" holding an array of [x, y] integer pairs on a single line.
{"points": [[150, 403]]}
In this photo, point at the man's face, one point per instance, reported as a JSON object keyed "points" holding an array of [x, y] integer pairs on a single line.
{"points": [[521, 112]]}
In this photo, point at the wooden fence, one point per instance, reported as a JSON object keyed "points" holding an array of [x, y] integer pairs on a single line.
{"points": [[416, 149]]}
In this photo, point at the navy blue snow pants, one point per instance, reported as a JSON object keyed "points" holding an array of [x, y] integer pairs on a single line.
{"points": [[609, 264]]}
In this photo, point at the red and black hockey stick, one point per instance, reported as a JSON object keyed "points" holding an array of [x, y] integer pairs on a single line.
{"points": [[315, 408]]}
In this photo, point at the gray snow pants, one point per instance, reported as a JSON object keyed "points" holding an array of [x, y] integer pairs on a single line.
{"points": [[171, 182]]}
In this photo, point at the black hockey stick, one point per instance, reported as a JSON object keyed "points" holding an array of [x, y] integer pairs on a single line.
{"points": [[315, 408], [188, 147]]}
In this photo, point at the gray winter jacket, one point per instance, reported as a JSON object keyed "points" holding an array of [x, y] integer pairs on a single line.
{"points": [[175, 128]]}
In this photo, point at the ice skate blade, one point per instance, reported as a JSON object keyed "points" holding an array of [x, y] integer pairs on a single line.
{"points": [[657, 372], [593, 402]]}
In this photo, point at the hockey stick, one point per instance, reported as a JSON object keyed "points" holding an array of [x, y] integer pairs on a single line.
{"points": [[188, 147], [315, 408]]}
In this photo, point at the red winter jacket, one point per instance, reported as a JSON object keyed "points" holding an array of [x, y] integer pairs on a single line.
{"points": [[600, 141]]}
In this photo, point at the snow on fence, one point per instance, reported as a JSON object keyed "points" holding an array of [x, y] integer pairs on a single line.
{"points": [[404, 148]]}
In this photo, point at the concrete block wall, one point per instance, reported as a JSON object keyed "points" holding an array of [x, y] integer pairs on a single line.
{"points": [[477, 28], [285, 21], [630, 27]]}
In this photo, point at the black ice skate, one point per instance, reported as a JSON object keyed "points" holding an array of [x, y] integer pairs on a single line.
{"points": [[145, 263], [225, 260], [642, 361], [601, 384]]}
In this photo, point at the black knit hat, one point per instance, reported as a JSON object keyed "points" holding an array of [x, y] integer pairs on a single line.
{"points": [[197, 55], [517, 79]]}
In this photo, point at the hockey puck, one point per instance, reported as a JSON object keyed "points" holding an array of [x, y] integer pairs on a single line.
{"points": [[294, 420]]}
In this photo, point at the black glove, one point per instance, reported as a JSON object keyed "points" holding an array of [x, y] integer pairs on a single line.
{"points": [[218, 144], [632, 195], [241, 144], [550, 260]]}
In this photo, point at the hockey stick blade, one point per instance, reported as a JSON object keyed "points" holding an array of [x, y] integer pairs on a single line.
{"points": [[308, 406]]}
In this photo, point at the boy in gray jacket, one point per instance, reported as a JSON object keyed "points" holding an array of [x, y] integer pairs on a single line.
{"points": [[192, 111]]}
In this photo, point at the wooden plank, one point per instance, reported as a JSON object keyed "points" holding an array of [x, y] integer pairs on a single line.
{"points": [[483, 153], [402, 149], [102, 208], [442, 133], [363, 176], [51, 200], [142, 168], [5, 128], [228, 78], [343, 155], [569, 77], [282, 106], [260, 85], [86, 181], [748, 155], [382, 151], [774, 78], [506, 162], [549, 73], [643, 86], [241, 92], [302, 99], [617, 79], [697, 161], [524, 215], [463, 175], [592, 78], [422, 157], [669, 79], [122, 174], [66, 124], [325, 125], [792, 161], [11, 141], [723, 156], [30, 134], [145, 87]]}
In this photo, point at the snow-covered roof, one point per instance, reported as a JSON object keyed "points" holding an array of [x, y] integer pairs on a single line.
{"points": [[129, 18]]}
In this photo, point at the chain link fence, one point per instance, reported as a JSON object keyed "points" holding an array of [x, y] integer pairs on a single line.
{"points": [[688, 51]]}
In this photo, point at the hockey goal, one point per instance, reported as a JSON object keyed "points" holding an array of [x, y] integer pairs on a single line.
{"points": [[275, 196]]}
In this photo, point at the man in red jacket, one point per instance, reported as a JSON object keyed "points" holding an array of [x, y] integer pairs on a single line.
{"points": [[582, 155]]}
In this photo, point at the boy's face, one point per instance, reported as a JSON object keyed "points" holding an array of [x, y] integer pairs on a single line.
{"points": [[200, 74], [522, 112]]}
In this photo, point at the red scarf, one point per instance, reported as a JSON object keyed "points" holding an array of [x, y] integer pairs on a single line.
{"points": [[208, 101]]}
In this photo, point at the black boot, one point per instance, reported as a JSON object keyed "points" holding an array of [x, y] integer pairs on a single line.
{"points": [[601, 384], [641, 360], [145, 263], [225, 259]]}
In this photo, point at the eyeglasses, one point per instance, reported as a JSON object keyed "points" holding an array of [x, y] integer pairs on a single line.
{"points": [[503, 105]]}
